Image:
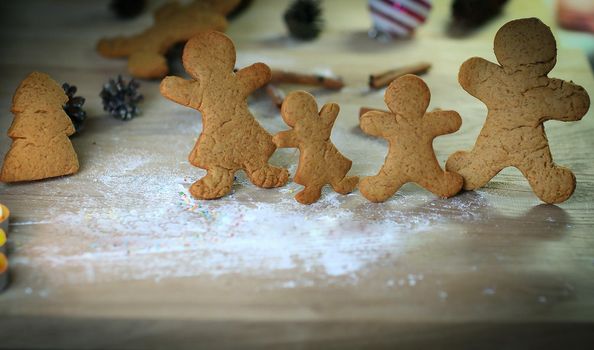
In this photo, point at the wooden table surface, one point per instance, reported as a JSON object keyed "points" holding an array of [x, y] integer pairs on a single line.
{"points": [[119, 255]]}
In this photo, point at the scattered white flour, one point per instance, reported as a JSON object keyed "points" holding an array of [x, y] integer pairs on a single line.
{"points": [[152, 228], [184, 237]]}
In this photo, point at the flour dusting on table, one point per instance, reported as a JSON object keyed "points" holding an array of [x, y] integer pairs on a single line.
{"points": [[156, 230]]}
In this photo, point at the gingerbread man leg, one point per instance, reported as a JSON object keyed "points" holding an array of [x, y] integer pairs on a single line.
{"points": [[267, 176], [551, 183], [382, 186], [217, 183], [445, 185], [309, 194], [476, 169], [345, 185]]}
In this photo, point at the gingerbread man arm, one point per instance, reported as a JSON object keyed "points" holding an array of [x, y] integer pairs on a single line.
{"points": [[167, 10], [377, 123], [442, 122], [329, 113], [560, 100], [253, 77], [286, 139], [184, 92], [475, 75]]}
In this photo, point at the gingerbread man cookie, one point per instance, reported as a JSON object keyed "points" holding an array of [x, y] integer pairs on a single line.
{"points": [[173, 23], [231, 138], [410, 133], [40, 129], [520, 98], [320, 163]]}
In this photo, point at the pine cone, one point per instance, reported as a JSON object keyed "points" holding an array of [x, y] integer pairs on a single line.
{"points": [[127, 8], [473, 13], [120, 99], [304, 19], [74, 107]]}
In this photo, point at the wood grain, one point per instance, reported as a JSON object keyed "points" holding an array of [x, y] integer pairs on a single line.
{"points": [[113, 258]]}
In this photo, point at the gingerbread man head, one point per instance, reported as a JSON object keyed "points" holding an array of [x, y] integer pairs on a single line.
{"points": [[300, 111], [526, 45], [298, 105], [214, 53], [408, 97]]}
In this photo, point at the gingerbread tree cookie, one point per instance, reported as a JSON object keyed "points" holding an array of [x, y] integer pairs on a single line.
{"points": [[410, 133], [520, 98], [40, 129], [231, 138], [320, 163], [173, 23]]}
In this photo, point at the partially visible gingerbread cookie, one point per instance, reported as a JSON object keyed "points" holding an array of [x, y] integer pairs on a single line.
{"points": [[410, 132], [231, 138], [40, 129], [520, 98], [320, 163], [174, 23]]}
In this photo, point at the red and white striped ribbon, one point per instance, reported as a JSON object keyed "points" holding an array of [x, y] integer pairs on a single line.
{"points": [[398, 18]]}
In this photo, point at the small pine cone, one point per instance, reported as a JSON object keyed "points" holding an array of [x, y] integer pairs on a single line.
{"points": [[473, 13], [74, 107], [127, 8], [120, 99], [304, 19]]}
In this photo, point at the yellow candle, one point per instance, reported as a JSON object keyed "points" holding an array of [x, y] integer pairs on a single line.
{"points": [[3, 271], [2, 241], [3, 259], [4, 215], [3, 264]]}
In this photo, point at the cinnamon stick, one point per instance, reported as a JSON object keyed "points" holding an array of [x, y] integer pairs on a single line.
{"points": [[379, 80], [275, 94], [281, 76]]}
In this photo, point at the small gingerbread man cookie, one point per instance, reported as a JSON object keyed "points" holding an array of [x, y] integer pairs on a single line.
{"points": [[231, 138], [410, 133], [320, 163], [173, 23], [520, 98]]}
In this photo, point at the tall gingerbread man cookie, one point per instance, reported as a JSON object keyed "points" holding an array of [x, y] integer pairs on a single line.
{"points": [[231, 138], [173, 23], [520, 98], [320, 163], [40, 129], [410, 133]]}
